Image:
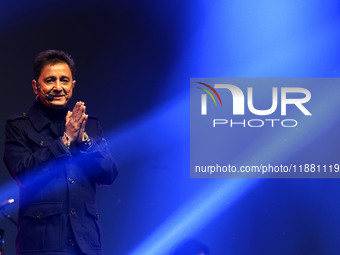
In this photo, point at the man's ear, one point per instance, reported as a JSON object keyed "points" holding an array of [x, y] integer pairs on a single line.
{"points": [[73, 83], [35, 86]]}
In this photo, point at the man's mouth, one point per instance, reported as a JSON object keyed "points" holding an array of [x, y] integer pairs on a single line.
{"points": [[57, 96]]}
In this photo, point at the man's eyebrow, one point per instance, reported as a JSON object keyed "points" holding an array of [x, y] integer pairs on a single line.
{"points": [[54, 77], [50, 77]]}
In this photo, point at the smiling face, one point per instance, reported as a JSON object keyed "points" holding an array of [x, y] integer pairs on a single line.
{"points": [[55, 80]]}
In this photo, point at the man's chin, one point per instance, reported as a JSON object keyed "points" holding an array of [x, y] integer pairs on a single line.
{"points": [[57, 104]]}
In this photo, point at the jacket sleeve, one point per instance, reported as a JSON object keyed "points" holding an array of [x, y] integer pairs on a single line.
{"points": [[97, 160], [23, 163]]}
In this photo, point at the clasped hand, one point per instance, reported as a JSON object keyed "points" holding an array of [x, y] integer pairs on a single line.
{"points": [[75, 123]]}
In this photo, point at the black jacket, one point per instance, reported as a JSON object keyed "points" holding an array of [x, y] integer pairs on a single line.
{"points": [[57, 186]]}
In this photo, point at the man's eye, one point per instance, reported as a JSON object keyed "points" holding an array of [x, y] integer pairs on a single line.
{"points": [[49, 81]]}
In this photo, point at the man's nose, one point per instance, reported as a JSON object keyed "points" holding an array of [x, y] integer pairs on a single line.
{"points": [[57, 86]]}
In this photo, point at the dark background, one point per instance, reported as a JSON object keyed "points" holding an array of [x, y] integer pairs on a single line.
{"points": [[134, 62]]}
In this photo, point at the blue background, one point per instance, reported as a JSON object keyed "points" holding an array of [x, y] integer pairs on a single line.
{"points": [[134, 61]]}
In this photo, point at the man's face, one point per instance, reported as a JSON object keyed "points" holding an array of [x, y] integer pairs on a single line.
{"points": [[56, 81]]}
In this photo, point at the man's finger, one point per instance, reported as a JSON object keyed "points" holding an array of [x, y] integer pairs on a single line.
{"points": [[78, 111], [82, 129], [68, 115]]}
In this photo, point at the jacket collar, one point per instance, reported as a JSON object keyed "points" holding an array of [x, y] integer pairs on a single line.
{"points": [[39, 118]]}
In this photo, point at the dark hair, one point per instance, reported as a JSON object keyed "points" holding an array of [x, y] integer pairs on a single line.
{"points": [[51, 57]]}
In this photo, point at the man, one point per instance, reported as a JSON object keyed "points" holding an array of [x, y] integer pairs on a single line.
{"points": [[57, 157]]}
